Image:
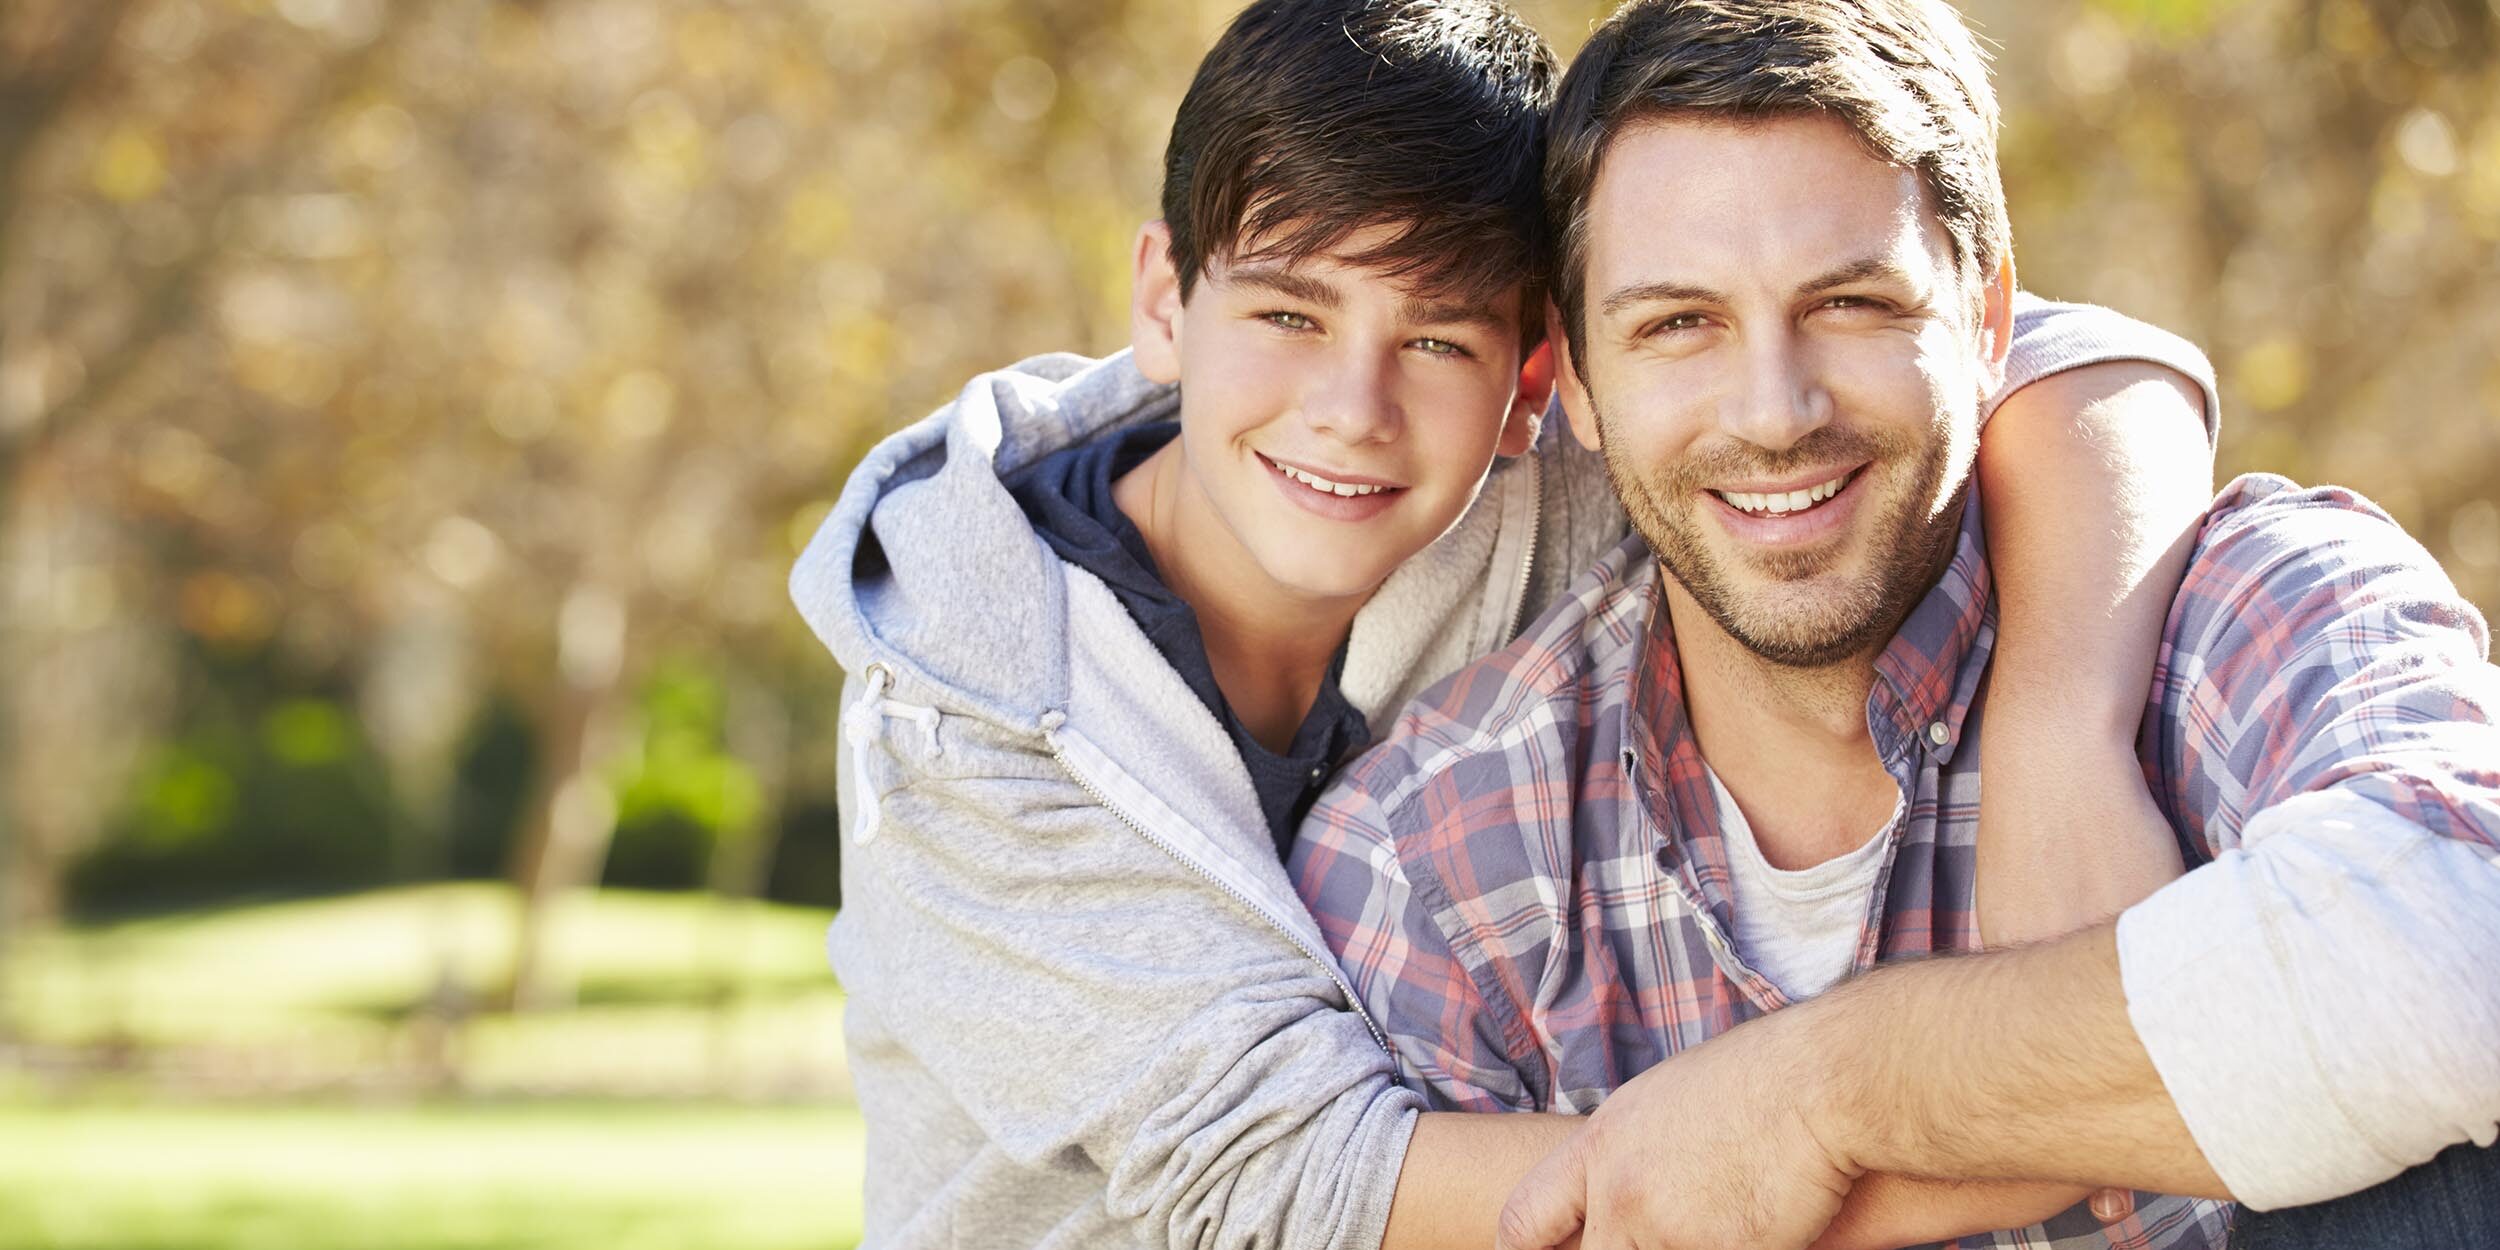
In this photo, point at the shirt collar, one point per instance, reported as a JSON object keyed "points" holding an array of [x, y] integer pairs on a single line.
{"points": [[1925, 681]]}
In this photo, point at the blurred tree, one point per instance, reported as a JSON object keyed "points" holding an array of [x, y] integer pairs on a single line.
{"points": [[2310, 189], [485, 362], [47, 53]]}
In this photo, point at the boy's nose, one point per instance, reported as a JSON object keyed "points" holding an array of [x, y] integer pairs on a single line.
{"points": [[1354, 401]]}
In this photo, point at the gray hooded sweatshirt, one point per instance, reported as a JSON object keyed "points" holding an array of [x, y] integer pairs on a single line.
{"points": [[1086, 1007]]}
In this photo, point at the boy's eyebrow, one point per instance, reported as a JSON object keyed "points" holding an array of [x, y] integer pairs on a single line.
{"points": [[1287, 283], [1431, 312]]}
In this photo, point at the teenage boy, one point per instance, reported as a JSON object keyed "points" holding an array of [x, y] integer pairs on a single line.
{"points": [[1102, 662], [1741, 761]]}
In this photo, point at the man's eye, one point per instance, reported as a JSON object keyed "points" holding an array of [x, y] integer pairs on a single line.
{"points": [[1677, 324], [1441, 347], [1288, 321], [1854, 303]]}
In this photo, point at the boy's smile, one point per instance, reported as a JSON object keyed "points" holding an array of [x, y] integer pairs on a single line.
{"points": [[1338, 496]]}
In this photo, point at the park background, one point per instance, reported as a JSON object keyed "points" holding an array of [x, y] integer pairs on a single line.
{"points": [[416, 793]]}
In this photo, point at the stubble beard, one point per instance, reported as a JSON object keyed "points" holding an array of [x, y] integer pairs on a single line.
{"points": [[1915, 537]]}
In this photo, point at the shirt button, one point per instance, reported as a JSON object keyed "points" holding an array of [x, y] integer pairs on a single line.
{"points": [[1317, 773], [1938, 734]]}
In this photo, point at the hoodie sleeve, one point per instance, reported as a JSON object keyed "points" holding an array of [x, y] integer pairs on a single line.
{"points": [[2051, 338], [1094, 1012]]}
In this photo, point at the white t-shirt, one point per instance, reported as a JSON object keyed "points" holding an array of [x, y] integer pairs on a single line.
{"points": [[1798, 928]]}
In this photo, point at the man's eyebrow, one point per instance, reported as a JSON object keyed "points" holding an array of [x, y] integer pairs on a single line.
{"points": [[1657, 293], [1287, 283], [1882, 268]]}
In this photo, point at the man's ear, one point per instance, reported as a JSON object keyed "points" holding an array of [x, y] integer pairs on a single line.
{"points": [[1996, 321], [1527, 408], [1569, 386], [1154, 305]]}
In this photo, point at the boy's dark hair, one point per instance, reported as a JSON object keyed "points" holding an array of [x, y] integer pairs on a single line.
{"points": [[1311, 119], [1906, 75]]}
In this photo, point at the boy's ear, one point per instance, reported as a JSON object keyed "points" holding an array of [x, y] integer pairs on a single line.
{"points": [[1568, 385], [1527, 408], [1154, 305], [1996, 321]]}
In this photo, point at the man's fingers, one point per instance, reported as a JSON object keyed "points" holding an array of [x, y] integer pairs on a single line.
{"points": [[1548, 1207]]}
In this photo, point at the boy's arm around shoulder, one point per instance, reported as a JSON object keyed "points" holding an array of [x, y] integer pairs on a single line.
{"points": [[2320, 999], [1076, 990], [2095, 471]]}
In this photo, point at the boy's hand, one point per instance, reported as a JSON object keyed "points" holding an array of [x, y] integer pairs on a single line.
{"points": [[1711, 1148]]}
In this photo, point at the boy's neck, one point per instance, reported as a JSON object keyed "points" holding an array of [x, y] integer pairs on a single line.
{"points": [[1270, 647]]}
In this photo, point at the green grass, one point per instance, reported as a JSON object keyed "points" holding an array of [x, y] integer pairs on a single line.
{"points": [[145, 1119], [678, 994], [543, 1176]]}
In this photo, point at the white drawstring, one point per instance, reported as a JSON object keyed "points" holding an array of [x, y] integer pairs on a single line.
{"points": [[861, 725]]}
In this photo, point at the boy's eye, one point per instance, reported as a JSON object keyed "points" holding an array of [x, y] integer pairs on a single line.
{"points": [[1441, 347], [1854, 303], [1288, 321]]}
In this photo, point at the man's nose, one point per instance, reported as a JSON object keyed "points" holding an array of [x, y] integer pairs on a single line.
{"points": [[1355, 399], [1779, 398]]}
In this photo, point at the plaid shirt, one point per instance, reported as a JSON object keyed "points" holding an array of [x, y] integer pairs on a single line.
{"points": [[1528, 884]]}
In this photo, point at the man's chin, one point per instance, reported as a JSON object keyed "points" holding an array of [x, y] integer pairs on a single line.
{"points": [[1804, 622]]}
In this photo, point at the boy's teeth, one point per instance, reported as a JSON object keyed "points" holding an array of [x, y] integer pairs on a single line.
{"points": [[1316, 482], [1782, 502]]}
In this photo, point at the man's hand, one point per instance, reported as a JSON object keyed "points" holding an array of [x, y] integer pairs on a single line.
{"points": [[1712, 1148]]}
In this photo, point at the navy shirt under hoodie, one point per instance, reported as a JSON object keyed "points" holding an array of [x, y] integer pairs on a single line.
{"points": [[1067, 495]]}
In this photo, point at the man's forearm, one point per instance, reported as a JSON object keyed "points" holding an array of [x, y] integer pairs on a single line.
{"points": [[2017, 1065]]}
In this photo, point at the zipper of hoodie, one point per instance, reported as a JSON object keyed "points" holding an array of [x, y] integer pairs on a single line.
{"points": [[1050, 734], [1527, 561]]}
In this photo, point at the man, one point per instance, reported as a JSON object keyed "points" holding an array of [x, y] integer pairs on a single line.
{"points": [[1683, 801]]}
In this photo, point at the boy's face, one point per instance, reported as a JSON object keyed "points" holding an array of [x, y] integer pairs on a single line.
{"points": [[1333, 421]]}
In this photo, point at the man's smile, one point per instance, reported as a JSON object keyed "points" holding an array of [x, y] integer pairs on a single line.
{"points": [[1781, 499], [1792, 512]]}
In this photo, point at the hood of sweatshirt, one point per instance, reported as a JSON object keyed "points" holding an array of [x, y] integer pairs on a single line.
{"points": [[926, 564]]}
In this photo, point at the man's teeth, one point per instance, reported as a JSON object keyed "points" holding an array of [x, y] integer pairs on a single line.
{"points": [[1316, 482], [1784, 501]]}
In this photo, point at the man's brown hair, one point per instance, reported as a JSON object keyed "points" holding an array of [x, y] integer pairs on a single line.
{"points": [[1906, 75], [1311, 119]]}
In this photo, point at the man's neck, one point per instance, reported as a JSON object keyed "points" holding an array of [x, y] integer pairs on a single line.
{"points": [[1270, 648], [1791, 744]]}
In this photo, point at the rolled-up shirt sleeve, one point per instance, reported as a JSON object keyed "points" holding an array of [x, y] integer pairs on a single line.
{"points": [[2322, 998]]}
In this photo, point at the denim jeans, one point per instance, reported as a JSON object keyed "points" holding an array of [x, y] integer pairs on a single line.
{"points": [[2449, 1203]]}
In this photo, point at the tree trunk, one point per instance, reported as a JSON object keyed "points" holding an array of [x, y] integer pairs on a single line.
{"points": [[564, 844]]}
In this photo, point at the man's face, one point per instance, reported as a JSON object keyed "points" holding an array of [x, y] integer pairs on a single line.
{"points": [[1334, 422], [1783, 369]]}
